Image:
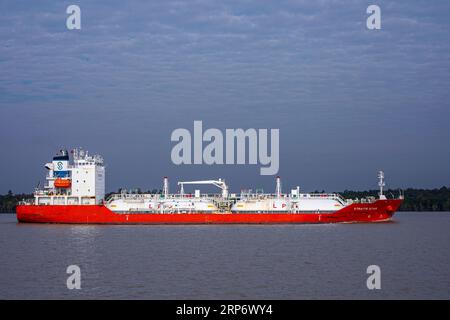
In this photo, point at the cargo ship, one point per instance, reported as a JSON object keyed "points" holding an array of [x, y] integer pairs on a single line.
{"points": [[74, 192]]}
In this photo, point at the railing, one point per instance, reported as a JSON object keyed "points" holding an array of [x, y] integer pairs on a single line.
{"points": [[334, 196], [363, 200], [150, 196], [50, 193], [26, 202], [218, 197]]}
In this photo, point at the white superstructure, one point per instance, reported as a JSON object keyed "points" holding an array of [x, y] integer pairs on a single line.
{"points": [[80, 181], [88, 175]]}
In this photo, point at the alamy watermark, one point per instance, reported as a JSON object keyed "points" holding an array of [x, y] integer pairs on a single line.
{"points": [[373, 22], [238, 144], [374, 280], [74, 280], [73, 21]]}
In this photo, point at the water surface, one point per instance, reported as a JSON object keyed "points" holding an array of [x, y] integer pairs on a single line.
{"points": [[228, 262]]}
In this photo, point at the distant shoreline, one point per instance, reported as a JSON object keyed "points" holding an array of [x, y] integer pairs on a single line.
{"points": [[416, 200]]}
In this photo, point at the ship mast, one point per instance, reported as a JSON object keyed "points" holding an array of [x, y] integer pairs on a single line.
{"points": [[381, 184], [278, 188], [166, 187]]}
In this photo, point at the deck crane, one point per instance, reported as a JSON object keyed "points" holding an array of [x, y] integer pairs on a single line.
{"points": [[218, 183]]}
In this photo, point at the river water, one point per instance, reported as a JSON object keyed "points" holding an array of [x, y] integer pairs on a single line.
{"points": [[228, 262]]}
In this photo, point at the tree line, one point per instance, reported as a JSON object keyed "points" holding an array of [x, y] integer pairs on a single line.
{"points": [[9, 201], [415, 199]]}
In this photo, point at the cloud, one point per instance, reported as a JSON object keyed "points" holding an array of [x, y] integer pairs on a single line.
{"points": [[240, 63]]}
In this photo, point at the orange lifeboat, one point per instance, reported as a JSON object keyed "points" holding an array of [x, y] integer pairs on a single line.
{"points": [[62, 183]]}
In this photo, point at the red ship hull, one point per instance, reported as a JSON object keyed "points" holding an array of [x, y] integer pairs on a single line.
{"points": [[378, 211]]}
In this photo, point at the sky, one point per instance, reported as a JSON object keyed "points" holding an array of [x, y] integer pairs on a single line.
{"points": [[348, 101]]}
